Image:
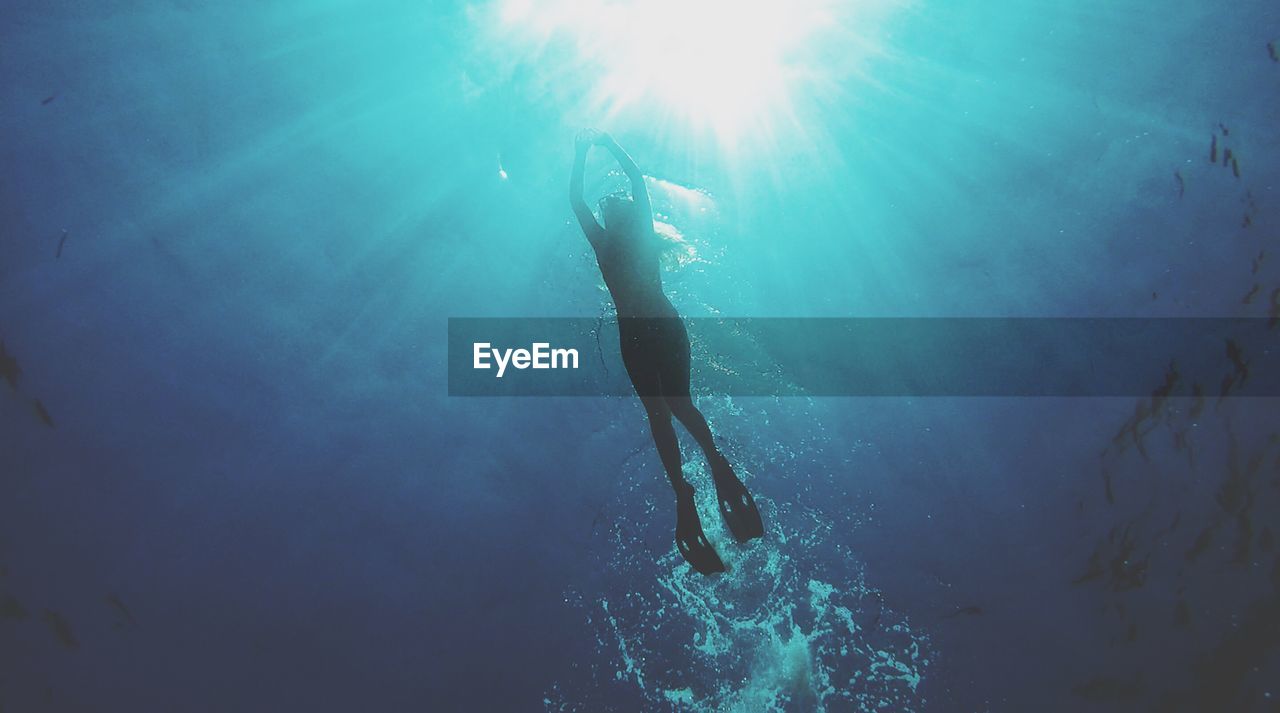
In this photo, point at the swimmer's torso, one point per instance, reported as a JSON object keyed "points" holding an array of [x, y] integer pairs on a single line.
{"points": [[630, 267]]}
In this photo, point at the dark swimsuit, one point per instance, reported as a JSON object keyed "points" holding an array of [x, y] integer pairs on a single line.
{"points": [[655, 351], [655, 344]]}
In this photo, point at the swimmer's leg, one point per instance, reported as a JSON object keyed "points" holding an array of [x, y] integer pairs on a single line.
{"points": [[673, 369], [690, 540], [736, 504]]}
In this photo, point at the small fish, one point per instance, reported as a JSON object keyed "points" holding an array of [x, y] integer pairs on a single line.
{"points": [[1247, 221], [1160, 393], [1183, 443], [1182, 185], [1094, 569], [1213, 149], [119, 606], [1155, 295], [1200, 545], [1197, 406], [11, 608], [1224, 389], [42, 413], [1225, 130], [1235, 167], [61, 241], [60, 628], [971, 610], [1272, 52], [1236, 355], [48, 99], [1257, 261], [1226, 157], [1248, 297], [1126, 573], [9, 368]]}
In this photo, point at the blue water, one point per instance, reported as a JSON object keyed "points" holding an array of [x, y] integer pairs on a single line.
{"points": [[231, 235]]}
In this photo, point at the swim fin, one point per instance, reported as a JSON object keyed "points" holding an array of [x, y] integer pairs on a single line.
{"points": [[690, 540], [737, 507]]}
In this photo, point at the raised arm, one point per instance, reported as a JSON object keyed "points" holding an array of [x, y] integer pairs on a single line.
{"points": [[639, 191], [581, 145]]}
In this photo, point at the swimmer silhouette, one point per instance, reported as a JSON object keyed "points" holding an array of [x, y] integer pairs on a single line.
{"points": [[655, 350]]}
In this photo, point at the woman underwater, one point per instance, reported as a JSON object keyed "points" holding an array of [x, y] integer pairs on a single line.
{"points": [[655, 350]]}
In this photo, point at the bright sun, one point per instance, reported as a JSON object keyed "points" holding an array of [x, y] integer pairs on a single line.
{"points": [[718, 64]]}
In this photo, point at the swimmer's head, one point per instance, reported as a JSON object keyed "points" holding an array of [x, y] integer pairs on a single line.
{"points": [[617, 211]]}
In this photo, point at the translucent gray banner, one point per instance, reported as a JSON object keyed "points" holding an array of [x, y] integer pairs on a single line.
{"points": [[882, 357]]}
